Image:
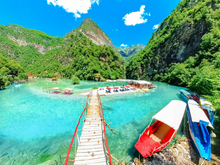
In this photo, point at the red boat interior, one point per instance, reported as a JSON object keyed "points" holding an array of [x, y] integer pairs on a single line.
{"points": [[206, 112], [153, 137]]}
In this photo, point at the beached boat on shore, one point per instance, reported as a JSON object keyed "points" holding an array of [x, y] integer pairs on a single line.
{"points": [[206, 106], [160, 133], [198, 128]]}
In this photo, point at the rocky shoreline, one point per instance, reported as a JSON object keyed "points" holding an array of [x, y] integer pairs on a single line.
{"points": [[180, 153]]}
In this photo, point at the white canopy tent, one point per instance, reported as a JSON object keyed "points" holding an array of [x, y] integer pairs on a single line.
{"points": [[69, 89], [172, 114], [197, 113]]}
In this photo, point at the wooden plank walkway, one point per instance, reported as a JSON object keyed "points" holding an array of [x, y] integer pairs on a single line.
{"points": [[91, 149]]}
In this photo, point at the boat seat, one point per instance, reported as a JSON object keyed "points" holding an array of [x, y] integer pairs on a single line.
{"points": [[168, 136], [155, 126], [156, 139], [162, 131]]}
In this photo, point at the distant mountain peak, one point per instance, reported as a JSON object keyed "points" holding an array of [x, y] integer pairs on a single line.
{"points": [[129, 52], [93, 32]]}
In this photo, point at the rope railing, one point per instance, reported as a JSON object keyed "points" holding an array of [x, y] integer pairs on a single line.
{"points": [[104, 131], [75, 133]]}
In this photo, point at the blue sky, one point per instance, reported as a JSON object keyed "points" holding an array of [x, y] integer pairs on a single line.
{"points": [[127, 22]]}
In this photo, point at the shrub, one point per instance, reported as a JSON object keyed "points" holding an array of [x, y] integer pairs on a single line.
{"points": [[113, 77], [23, 76], [75, 80]]}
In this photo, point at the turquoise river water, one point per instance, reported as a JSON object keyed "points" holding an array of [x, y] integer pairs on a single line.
{"points": [[36, 126]]}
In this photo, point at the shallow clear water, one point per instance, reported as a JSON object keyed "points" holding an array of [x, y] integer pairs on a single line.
{"points": [[36, 126]]}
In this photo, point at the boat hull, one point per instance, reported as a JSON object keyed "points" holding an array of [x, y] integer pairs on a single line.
{"points": [[147, 145], [203, 150], [186, 99]]}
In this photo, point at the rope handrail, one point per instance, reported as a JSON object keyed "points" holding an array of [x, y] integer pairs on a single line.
{"points": [[71, 143], [106, 142]]}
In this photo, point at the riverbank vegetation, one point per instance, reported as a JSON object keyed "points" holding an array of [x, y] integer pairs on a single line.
{"points": [[10, 71]]}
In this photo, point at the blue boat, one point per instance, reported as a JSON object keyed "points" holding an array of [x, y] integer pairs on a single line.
{"points": [[186, 95], [198, 128], [189, 95]]}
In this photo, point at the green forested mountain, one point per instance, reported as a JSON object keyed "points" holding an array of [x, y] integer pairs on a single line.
{"points": [[80, 57], [129, 52], [47, 56], [185, 49], [25, 45]]}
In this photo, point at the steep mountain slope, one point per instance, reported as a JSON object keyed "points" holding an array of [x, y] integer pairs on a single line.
{"points": [[23, 37], [180, 36], [185, 49], [129, 52], [93, 32], [89, 59], [25, 45]]}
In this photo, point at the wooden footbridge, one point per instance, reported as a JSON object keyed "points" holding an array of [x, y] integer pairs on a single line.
{"points": [[91, 146]]}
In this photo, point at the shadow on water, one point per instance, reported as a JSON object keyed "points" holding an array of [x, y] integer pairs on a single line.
{"points": [[180, 97], [105, 108]]}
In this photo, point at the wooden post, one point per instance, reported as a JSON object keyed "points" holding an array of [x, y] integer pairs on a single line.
{"points": [[112, 157], [109, 127]]}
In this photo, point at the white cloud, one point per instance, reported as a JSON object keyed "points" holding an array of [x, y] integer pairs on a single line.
{"points": [[77, 7], [135, 17], [123, 45], [156, 26]]}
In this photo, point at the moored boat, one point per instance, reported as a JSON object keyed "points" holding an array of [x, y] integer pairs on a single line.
{"points": [[198, 128], [189, 95], [208, 109], [186, 95], [160, 133]]}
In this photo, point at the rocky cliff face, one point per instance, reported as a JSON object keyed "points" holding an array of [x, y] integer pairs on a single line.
{"points": [[185, 42], [93, 32], [39, 47], [179, 36]]}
